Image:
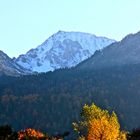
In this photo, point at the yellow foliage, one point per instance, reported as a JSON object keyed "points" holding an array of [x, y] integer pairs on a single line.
{"points": [[81, 138], [99, 125], [103, 129]]}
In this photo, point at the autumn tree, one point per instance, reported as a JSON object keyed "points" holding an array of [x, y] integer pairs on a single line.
{"points": [[98, 124], [30, 134]]}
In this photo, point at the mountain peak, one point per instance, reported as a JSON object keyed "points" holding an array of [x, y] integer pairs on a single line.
{"points": [[62, 50]]}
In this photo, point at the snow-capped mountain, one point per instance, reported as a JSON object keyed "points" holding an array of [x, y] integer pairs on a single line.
{"points": [[61, 50], [9, 67]]}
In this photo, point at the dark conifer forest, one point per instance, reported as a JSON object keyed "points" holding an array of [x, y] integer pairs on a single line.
{"points": [[51, 101]]}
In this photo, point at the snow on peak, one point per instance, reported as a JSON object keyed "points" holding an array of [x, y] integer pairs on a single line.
{"points": [[61, 50]]}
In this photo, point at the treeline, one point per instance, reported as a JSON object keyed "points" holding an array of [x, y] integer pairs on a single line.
{"points": [[94, 123], [7, 133]]}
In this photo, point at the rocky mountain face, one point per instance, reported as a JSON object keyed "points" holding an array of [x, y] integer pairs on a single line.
{"points": [[9, 67], [68, 49], [125, 52], [62, 50]]}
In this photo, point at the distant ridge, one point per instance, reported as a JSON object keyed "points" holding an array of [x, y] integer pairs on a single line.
{"points": [[125, 52], [9, 67]]}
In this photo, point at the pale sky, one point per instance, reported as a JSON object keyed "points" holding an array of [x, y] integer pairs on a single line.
{"points": [[25, 24]]}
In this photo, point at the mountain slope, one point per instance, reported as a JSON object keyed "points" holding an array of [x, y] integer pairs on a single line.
{"points": [[63, 49], [109, 78], [51, 102], [9, 67], [125, 52]]}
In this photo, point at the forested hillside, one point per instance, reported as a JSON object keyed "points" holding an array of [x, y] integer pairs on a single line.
{"points": [[46, 101]]}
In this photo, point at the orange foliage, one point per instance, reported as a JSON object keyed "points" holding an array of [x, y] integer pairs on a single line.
{"points": [[105, 127], [30, 133], [101, 129]]}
